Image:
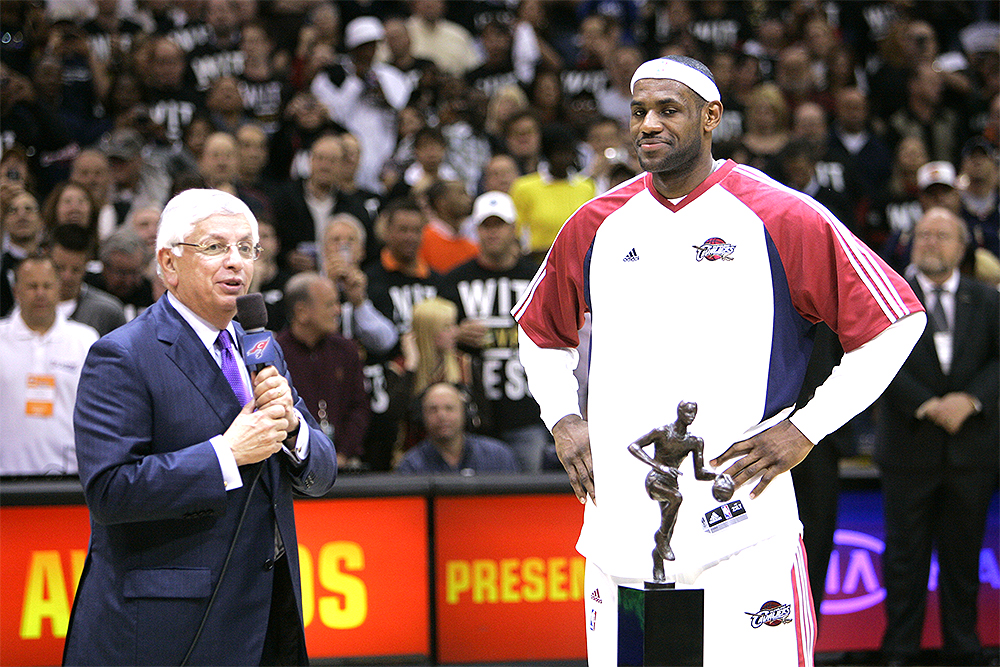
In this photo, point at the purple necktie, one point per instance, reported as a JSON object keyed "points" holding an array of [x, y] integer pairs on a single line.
{"points": [[230, 367]]}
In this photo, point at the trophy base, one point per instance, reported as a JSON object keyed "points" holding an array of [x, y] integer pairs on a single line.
{"points": [[661, 626]]}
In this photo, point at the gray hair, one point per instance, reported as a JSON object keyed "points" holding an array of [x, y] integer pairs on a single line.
{"points": [[352, 221], [188, 208], [297, 290], [960, 225], [123, 241]]}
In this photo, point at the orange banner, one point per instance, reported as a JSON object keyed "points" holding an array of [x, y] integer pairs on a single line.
{"points": [[365, 577], [509, 582], [44, 549]]}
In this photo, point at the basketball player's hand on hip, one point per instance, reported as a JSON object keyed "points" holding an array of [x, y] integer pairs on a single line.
{"points": [[572, 436], [768, 454]]}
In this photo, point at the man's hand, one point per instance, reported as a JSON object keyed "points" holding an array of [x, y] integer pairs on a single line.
{"points": [[270, 388], [473, 333], [771, 452], [949, 411], [572, 437], [300, 261], [254, 436], [355, 284]]}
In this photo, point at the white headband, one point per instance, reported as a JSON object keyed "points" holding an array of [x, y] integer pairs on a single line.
{"points": [[663, 68]]}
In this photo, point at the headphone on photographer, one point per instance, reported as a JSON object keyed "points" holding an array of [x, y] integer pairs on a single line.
{"points": [[470, 410]]}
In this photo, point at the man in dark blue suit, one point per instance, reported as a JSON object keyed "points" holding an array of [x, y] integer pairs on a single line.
{"points": [[938, 453], [188, 463]]}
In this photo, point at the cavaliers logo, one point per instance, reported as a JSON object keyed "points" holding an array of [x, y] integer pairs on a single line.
{"points": [[713, 249], [771, 613], [257, 351]]}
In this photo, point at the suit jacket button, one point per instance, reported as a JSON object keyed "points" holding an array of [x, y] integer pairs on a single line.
{"points": [[269, 563]]}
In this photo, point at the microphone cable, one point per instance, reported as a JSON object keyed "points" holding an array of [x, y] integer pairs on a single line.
{"points": [[225, 565]]}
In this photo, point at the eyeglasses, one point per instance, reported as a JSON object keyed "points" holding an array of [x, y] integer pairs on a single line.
{"points": [[246, 249], [926, 235]]}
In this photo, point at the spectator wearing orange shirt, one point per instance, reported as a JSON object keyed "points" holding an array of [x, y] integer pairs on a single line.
{"points": [[443, 246]]}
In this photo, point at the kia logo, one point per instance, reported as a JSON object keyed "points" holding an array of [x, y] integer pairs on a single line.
{"points": [[857, 578]]}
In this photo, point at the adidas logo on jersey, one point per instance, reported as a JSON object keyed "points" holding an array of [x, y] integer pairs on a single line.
{"points": [[596, 596], [632, 256]]}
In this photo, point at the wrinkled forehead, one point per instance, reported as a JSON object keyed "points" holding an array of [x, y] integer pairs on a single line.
{"points": [[223, 225]]}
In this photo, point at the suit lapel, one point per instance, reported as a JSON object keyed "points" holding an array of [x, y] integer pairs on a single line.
{"points": [[186, 350]]}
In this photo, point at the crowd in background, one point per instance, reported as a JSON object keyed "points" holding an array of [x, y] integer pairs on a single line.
{"points": [[410, 162]]}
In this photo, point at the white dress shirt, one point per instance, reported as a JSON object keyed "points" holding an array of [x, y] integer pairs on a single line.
{"points": [[943, 340], [208, 334]]}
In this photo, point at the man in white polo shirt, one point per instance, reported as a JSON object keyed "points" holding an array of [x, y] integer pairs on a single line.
{"points": [[42, 354]]}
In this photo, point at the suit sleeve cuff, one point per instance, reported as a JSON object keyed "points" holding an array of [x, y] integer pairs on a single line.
{"points": [[230, 471]]}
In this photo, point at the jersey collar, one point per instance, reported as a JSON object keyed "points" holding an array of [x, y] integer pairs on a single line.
{"points": [[722, 169]]}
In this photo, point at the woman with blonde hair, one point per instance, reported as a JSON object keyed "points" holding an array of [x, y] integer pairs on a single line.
{"points": [[766, 127], [503, 105], [430, 356], [434, 327]]}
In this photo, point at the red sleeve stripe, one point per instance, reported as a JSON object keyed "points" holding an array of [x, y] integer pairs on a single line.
{"points": [[893, 306], [867, 266]]}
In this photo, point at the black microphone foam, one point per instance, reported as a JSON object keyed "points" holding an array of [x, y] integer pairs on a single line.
{"points": [[251, 312]]}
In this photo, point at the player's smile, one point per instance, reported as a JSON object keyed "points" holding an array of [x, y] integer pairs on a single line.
{"points": [[650, 144]]}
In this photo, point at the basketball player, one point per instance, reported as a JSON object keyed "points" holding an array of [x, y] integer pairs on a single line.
{"points": [[704, 279]]}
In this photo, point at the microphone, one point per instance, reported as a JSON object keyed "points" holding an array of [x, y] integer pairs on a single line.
{"points": [[258, 343]]}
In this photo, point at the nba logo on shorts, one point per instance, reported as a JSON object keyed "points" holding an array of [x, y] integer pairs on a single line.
{"points": [[727, 512], [593, 619]]}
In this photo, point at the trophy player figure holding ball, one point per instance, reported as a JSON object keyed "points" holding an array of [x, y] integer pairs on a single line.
{"points": [[672, 445]]}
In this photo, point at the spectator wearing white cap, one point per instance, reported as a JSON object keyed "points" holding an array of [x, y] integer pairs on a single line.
{"points": [[936, 183], [364, 96], [932, 185], [483, 289], [937, 186]]}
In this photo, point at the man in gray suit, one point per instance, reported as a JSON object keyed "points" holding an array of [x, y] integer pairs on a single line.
{"points": [[72, 248]]}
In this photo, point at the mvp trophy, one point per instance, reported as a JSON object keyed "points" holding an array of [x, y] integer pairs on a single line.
{"points": [[662, 625]]}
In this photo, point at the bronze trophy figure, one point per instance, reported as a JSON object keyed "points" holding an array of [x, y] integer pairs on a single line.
{"points": [[672, 444]]}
